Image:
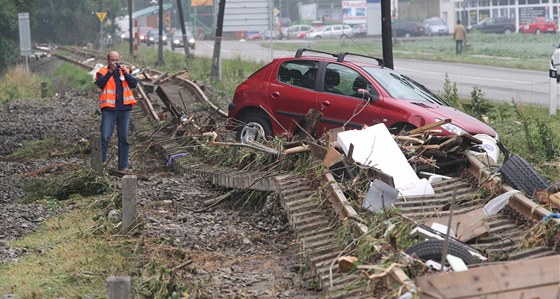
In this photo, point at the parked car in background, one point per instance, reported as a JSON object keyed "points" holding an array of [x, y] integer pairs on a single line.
{"points": [[177, 40], [332, 31], [408, 29], [435, 26], [494, 25], [264, 34], [538, 25], [359, 30], [143, 34], [294, 30], [350, 90], [153, 37]]}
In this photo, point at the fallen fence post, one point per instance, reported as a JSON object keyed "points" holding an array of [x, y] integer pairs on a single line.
{"points": [[119, 287]]}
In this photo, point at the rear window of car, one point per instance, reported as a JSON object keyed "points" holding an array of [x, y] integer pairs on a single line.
{"points": [[299, 73]]}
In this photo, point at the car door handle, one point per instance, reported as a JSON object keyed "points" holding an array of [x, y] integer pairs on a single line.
{"points": [[276, 94], [326, 103]]}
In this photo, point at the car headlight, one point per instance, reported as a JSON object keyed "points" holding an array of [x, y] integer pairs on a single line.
{"points": [[191, 40], [451, 128], [176, 41]]}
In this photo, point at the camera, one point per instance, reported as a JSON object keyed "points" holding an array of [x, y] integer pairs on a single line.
{"points": [[118, 65]]}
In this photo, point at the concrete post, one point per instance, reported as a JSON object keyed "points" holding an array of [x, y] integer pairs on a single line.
{"points": [[129, 186], [553, 100], [119, 287], [43, 89], [96, 158]]}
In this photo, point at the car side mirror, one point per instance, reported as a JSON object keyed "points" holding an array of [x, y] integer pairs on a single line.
{"points": [[365, 94]]}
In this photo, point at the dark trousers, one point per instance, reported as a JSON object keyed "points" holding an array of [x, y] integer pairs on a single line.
{"points": [[108, 120], [458, 47]]}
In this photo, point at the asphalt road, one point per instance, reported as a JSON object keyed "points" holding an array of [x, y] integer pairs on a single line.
{"points": [[498, 84]]}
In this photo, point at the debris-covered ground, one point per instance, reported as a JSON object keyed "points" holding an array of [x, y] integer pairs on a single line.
{"points": [[234, 251]]}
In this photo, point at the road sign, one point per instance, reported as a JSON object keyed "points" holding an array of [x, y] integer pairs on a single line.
{"points": [[24, 34], [101, 15]]}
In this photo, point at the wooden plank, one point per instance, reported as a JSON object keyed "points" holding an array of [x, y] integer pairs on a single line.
{"points": [[492, 280], [428, 127]]}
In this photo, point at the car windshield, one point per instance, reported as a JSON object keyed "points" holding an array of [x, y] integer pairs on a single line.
{"points": [[403, 87]]}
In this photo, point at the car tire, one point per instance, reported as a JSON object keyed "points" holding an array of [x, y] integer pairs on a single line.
{"points": [[318, 37], [255, 127], [433, 249], [519, 174], [507, 31], [407, 35], [537, 31]]}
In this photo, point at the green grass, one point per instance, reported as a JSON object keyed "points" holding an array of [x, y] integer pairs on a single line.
{"points": [[521, 51], [64, 260]]}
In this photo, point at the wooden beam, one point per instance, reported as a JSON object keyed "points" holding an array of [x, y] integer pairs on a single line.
{"points": [[429, 126], [514, 277]]}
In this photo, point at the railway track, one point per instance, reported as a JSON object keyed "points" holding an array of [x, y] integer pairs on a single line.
{"points": [[317, 214]]}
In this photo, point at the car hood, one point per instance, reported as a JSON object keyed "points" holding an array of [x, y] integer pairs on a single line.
{"points": [[458, 118]]}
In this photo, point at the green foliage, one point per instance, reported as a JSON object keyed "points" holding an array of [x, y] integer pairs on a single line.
{"points": [[71, 77], [65, 21], [521, 51], [42, 149], [9, 39], [450, 93], [17, 84], [478, 106], [85, 182]]}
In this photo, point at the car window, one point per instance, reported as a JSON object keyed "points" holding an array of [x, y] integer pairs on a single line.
{"points": [[402, 87], [342, 80], [299, 73]]}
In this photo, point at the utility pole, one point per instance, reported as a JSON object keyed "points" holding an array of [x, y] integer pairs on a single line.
{"points": [[183, 31], [218, 41], [160, 61], [130, 34], [386, 33]]}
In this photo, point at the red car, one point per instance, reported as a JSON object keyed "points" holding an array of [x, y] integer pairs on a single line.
{"points": [[538, 25], [351, 90]]}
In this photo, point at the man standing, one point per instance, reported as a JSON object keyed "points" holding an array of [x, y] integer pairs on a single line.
{"points": [[459, 35], [116, 101]]}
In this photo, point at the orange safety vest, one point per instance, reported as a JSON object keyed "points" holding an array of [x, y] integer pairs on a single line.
{"points": [[108, 95]]}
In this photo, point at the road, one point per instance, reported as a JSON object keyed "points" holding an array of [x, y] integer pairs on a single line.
{"points": [[498, 84]]}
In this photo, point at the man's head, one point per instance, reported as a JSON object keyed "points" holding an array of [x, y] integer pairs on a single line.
{"points": [[112, 58]]}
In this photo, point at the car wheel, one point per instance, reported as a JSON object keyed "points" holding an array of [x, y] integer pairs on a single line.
{"points": [[407, 35], [318, 37], [255, 128], [507, 31], [537, 31], [519, 174], [433, 249]]}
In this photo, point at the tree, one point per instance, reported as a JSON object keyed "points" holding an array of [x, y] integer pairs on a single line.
{"points": [[9, 39], [65, 21]]}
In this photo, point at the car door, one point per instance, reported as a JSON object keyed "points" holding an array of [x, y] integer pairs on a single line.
{"points": [[291, 92], [341, 104]]}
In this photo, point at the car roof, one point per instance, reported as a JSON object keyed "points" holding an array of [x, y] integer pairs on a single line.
{"points": [[346, 57]]}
